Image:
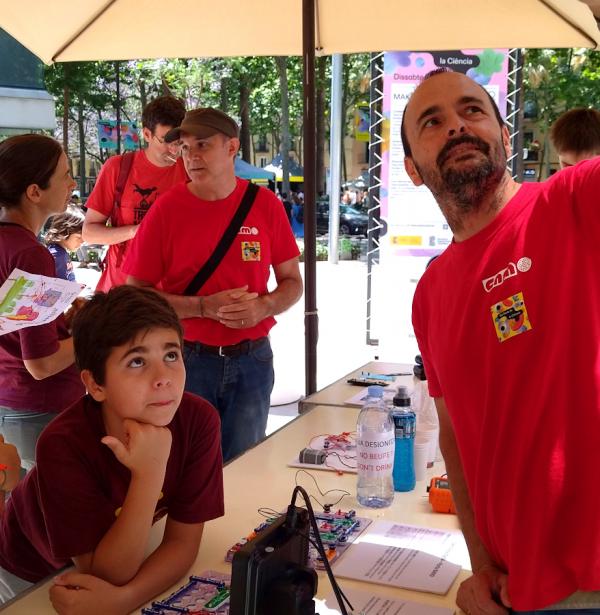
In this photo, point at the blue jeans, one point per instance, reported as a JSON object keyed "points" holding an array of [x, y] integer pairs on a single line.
{"points": [[23, 428], [238, 387]]}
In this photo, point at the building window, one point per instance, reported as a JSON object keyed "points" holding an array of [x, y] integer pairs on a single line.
{"points": [[262, 161], [261, 145]]}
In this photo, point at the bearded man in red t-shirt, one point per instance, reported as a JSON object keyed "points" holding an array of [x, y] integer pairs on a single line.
{"points": [[507, 320]]}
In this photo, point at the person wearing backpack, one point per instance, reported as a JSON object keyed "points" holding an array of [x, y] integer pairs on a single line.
{"points": [[129, 184]]}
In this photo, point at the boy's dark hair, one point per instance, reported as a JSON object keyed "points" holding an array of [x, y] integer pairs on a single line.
{"points": [[26, 160], [578, 131], [62, 226], [112, 319], [433, 73], [165, 110]]}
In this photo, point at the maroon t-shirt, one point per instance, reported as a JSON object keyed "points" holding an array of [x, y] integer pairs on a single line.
{"points": [[68, 502], [18, 388]]}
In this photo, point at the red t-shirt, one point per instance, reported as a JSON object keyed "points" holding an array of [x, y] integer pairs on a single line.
{"points": [[508, 323], [18, 388], [68, 502], [182, 231], [145, 183]]}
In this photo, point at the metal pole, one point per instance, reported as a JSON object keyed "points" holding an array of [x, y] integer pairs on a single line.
{"points": [[375, 163], [335, 154], [311, 319], [513, 112]]}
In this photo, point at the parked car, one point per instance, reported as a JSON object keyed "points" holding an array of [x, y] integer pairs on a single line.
{"points": [[352, 221]]}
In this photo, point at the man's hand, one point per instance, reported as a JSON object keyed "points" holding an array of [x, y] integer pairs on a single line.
{"points": [[146, 449], [213, 304], [246, 314], [74, 593], [484, 593]]}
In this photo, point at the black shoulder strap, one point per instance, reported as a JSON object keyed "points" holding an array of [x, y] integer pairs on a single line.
{"points": [[228, 236]]}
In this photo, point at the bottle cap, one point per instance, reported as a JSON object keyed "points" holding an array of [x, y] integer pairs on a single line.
{"points": [[402, 397], [375, 391]]}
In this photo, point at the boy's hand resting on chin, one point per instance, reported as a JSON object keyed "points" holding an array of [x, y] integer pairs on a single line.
{"points": [[146, 449]]}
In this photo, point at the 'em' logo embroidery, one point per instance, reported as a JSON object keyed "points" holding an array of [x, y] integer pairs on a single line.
{"points": [[523, 265], [510, 317], [250, 250]]}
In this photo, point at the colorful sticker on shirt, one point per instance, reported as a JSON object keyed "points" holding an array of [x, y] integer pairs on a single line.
{"points": [[510, 317], [250, 250]]}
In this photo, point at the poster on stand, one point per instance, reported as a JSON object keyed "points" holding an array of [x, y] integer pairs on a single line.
{"points": [[415, 227]]}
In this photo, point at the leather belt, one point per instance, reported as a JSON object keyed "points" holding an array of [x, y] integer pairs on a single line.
{"points": [[235, 350]]}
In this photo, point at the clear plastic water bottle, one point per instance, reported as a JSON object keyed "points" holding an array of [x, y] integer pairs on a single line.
{"points": [[404, 451], [375, 452]]}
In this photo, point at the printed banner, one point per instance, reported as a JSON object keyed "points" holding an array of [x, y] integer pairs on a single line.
{"points": [[416, 228], [107, 135]]}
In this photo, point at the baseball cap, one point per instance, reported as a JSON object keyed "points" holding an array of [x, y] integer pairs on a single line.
{"points": [[202, 123]]}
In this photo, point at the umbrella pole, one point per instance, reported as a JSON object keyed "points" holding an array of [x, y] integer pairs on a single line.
{"points": [[311, 319]]}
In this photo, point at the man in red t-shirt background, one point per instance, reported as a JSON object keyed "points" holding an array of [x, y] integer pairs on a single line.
{"points": [[227, 353], [507, 320], [153, 171]]}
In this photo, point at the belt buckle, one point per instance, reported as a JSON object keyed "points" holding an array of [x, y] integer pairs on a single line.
{"points": [[221, 352]]}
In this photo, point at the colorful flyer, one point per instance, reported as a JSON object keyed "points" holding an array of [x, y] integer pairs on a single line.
{"points": [[29, 300]]}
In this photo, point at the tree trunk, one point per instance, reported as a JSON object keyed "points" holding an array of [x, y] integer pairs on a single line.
{"points": [[320, 112], [245, 122], [223, 93], [66, 103], [143, 94], [81, 128], [281, 62], [118, 103]]}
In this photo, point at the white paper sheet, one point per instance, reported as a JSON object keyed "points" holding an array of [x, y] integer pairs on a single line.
{"points": [[419, 558], [29, 300], [365, 603]]}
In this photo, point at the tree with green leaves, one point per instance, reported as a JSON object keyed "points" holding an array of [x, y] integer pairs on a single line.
{"points": [[555, 80]]}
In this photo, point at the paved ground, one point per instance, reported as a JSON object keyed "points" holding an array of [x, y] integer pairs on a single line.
{"points": [[341, 300]]}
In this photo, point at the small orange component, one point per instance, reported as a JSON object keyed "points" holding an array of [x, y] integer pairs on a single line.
{"points": [[440, 496]]}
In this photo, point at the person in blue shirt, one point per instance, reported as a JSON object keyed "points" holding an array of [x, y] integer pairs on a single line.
{"points": [[64, 236]]}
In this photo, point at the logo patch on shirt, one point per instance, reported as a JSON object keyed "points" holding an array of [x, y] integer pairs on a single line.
{"points": [[523, 265], [250, 250], [510, 317], [248, 230]]}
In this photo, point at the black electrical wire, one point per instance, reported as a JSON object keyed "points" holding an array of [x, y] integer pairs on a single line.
{"points": [[339, 594], [323, 493]]}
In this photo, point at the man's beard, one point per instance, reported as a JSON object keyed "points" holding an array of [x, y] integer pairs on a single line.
{"points": [[466, 188]]}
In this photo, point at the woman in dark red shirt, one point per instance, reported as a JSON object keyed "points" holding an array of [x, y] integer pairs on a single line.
{"points": [[37, 375]]}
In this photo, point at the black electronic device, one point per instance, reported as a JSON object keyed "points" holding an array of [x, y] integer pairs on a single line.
{"points": [[269, 574], [367, 382]]}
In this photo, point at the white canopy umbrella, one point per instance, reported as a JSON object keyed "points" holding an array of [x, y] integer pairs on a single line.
{"points": [[69, 30]]}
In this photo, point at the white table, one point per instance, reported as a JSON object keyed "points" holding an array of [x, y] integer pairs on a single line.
{"points": [[261, 478], [339, 391]]}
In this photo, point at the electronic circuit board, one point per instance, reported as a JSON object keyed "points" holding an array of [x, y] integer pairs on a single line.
{"points": [[337, 530], [206, 594]]}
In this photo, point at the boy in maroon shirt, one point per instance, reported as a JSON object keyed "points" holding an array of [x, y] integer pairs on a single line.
{"points": [[134, 449]]}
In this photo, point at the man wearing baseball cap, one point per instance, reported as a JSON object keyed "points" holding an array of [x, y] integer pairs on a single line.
{"points": [[226, 322]]}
